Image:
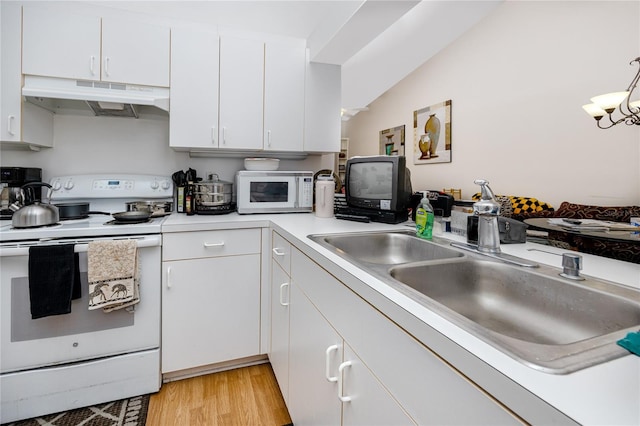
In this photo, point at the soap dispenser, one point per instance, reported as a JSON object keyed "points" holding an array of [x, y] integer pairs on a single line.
{"points": [[424, 218]]}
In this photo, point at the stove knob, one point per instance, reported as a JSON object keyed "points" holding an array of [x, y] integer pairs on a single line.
{"points": [[69, 184], [166, 184], [56, 185], [154, 184]]}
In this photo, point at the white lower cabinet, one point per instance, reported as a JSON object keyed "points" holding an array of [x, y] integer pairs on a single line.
{"points": [[315, 347], [328, 383], [210, 297], [350, 365], [279, 352]]}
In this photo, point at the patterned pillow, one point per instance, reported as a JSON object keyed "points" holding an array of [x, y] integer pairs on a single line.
{"points": [[519, 206], [528, 205], [581, 211]]}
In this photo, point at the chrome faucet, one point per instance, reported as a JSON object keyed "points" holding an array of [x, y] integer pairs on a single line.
{"points": [[487, 209]]}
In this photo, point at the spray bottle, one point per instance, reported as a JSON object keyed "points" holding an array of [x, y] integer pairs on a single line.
{"points": [[424, 218]]}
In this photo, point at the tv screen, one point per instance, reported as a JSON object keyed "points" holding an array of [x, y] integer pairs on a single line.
{"points": [[378, 183], [371, 180]]}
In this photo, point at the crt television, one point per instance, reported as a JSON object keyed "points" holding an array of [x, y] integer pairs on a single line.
{"points": [[378, 187]]}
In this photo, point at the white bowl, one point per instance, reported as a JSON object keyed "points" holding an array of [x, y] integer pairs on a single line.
{"points": [[265, 164]]}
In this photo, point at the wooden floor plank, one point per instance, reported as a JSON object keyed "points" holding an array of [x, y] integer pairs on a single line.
{"points": [[244, 396]]}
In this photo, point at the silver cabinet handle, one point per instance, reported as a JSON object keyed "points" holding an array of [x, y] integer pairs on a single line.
{"points": [[327, 366], [10, 120], [341, 382], [278, 252], [282, 302], [214, 244]]}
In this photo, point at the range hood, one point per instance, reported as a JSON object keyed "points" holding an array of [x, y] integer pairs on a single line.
{"points": [[103, 98]]}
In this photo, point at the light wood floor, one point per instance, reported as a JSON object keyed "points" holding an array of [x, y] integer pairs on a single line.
{"points": [[244, 396]]}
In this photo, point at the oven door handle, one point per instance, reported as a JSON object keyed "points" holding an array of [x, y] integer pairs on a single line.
{"points": [[81, 246]]}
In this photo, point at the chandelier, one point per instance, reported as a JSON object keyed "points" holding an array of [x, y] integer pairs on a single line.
{"points": [[606, 104]]}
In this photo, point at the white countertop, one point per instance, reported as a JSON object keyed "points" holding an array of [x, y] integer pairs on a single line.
{"points": [[607, 394]]}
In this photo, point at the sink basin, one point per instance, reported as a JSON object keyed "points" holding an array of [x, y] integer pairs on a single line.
{"points": [[550, 323], [516, 303], [386, 248], [554, 324]]}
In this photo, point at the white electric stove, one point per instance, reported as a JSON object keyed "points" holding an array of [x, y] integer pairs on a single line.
{"points": [[61, 362]]}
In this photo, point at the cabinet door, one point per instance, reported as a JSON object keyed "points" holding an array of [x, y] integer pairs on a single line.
{"points": [[279, 355], [322, 120], [241, 93], [369, 403], [21, 123], [210, 311], [284, 97], [193, 122], [60, 44], [315, 347], [135, 52]]}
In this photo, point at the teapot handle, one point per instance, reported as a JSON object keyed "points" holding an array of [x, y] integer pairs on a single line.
{"points": [[29, 188]]}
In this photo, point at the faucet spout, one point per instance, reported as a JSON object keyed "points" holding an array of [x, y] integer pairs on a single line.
{"points": [[487, 209]]}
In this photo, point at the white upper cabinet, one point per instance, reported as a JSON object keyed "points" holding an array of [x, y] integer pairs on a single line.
{"points": [[284, 97], [241, 92], [22, 125], [135, 52], [322, 122], [60, 44], [193, 122]]}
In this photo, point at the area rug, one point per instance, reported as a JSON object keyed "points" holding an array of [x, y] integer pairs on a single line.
{"points": [[126, 412]]}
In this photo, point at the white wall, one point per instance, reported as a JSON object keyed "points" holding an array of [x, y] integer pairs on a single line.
{"points": [[87, 144], [517, 82]]}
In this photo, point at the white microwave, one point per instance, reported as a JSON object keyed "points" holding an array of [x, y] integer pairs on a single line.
{"points": [[274, 191]]}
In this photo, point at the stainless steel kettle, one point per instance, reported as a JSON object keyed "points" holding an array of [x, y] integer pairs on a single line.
{"points": [[32, 214]]}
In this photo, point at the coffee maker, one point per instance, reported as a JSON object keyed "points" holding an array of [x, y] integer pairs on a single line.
{"points": [[11, 180]]}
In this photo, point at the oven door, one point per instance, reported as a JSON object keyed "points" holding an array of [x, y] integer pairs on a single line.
{"points": [[82, 334]]}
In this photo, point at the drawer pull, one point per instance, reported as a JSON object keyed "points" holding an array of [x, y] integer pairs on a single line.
{"points": [[341, 382], [327, 365], [214, 244], [169, 277], [278, 252]]}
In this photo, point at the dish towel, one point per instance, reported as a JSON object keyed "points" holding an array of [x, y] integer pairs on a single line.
{"points": [[53, 272], [112, 269]]}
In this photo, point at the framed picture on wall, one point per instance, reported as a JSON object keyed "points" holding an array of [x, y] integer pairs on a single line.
{"points": [[432, 134], [392, 141]]}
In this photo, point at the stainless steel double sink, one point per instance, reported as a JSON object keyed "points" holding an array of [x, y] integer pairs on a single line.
{"points": [[548, 322]]}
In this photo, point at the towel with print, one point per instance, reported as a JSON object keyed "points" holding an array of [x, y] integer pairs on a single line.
{"points": [[112, 269]]}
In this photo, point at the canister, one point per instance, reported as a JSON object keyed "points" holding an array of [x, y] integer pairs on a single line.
{"points": [[325, 190]]}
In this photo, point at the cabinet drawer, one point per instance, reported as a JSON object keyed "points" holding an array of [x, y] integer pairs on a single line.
{"points": [[281, 252], [193, 245]]}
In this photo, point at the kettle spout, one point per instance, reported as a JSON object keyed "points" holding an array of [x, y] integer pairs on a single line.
{"points": [[14, 207]]}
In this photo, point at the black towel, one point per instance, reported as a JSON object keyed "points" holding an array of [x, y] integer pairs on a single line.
{"points": [[52, 273], [77, 285]]}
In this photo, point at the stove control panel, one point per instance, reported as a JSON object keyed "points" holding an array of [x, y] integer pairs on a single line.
{"points": [[111, 186]]}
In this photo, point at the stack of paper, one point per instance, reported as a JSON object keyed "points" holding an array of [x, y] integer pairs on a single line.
{"points": [[593, 225]]}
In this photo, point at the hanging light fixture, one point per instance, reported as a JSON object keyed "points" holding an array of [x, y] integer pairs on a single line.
{"points": [[606, 104]]}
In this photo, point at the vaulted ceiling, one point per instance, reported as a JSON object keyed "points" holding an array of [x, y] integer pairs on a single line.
{"points": [[377, 42]]}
